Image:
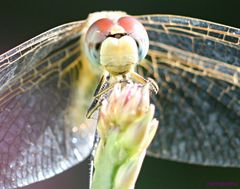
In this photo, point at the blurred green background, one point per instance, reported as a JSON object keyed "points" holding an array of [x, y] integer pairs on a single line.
{"points": [[22, 20]]}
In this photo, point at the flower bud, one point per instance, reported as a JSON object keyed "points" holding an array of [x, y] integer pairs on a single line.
{"points": [[126, 128]]}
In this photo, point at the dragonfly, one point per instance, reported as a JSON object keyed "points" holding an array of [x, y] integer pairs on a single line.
{"points": [[47, 85]]}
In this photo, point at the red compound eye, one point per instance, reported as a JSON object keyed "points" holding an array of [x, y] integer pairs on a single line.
{"points": [[98, 30], [95, 35], [131, 24], [103, 25], [137, 31]]}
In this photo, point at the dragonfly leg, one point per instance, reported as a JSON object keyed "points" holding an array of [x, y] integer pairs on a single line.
{"points": [[93, 107], [104, 91], [103, 88], [140, 79]]}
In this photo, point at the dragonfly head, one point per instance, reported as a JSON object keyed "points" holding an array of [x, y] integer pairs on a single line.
{"points": [[117, 45]]}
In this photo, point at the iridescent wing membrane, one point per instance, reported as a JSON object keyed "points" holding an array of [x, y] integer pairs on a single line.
{"points": [[40, 135], [195, 63], [197, 66]]}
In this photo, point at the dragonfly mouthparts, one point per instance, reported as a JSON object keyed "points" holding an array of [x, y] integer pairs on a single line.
{"points": [[117, 35]]}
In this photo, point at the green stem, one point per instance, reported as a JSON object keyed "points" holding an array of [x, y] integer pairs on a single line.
{"points": [[106, 164]]}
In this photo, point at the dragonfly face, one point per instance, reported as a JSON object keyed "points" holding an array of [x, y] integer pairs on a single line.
{"points": [[117, 44], [47, 84]]}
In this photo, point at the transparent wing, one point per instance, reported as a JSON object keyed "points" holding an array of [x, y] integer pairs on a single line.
{"points": [[197, 66], [30, 52], [43, 130]]}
